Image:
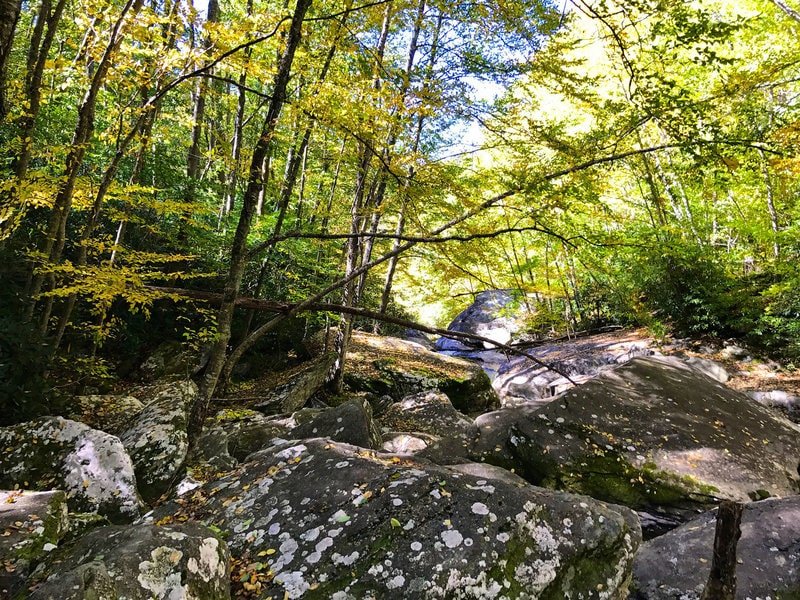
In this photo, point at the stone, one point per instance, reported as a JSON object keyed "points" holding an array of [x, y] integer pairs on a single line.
{"points": [[32, 524], [394, 367], [330, 520], [732, 351], [90, 466], [109, 413], [350, 423], [399, 442], [173, 359], [654, 434], [293, 389], [231, 435], [677, 564], [491, 315], [708, 367], [452, 433], [784, 401], [419, 337], [157, 440], [138, 562]]}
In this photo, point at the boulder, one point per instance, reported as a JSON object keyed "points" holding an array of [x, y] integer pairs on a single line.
{"points": [[231, 435], [31, 526], [400, 442], [734, 352], [432, 413], [677, 564], [173, 359], [109, 413], [291, 390], [786, 402], [385, 365], [490, 316], [350, 423], [653, 434], [138, 562], [325, 520], [157, 440], [91, 466]]}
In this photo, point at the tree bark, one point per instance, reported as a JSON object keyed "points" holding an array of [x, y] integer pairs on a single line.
{"points": [[238, 255], [9, 15], [721, 583]]}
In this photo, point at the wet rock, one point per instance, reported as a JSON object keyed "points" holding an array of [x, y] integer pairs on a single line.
{"points": [[677, 564], [390, 366], [783, 401], [432, 413], [91, 466], [292, 390], [232, 435], [653, 434], [32, 524], [350, 423], [109, 413], [139, 562], [708, 367], [330, 520], [157, 441], [491, 315], [173, 359]]}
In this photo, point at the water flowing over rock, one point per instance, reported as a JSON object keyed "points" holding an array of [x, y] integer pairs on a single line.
{"points": [[652, 434], [491, 315], [91, 466], [677, 564], [330, 520], [139, 562], [157, 441]]}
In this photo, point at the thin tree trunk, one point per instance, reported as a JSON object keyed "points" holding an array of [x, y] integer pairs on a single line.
{"points": [[773, 213], [721, 584], [9, 15], [238, 257]]}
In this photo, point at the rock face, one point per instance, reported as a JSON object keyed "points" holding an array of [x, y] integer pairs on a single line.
{"points": [[708, 367], [106, 413], [677, 564], [32, 524], [651, 434], [385, 365], [350, 423], [172, 359], [451, 433], [490, 316], [157, 441], [231, 435], [784, 401], [139, 562], [91, 466], [329, 520], [295, 388]]}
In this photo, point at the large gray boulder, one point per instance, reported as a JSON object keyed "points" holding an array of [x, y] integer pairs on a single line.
{"points": [[350, 423], [329, 520], [91, 466], [452, 433], [31, 526], [174, 359], [395, 367], [652, 434], [491, 315], [676, 565], [139, 562], [109, 413], [157, 440]]}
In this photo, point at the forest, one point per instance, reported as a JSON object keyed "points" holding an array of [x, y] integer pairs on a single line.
{"points": [[254, 199]]}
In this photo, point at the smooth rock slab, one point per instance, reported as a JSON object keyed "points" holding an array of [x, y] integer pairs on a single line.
{"points": [[330, 520], [157, 441], [350, 422], [139, 562], [91, 466], [676, 565]]}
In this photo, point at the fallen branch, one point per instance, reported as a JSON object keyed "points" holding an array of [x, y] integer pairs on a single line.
{"points": [[288, 308]]}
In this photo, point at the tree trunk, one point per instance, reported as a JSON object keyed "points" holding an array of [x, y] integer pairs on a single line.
{"points": [[9, 15], [721, 583], [238, 256]]}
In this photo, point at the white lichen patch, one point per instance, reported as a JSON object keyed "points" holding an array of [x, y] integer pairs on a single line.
{"points": [[161, 576], [209, 565], [452, 538]]}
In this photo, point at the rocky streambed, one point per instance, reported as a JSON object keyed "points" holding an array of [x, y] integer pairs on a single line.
{"points": [[433, 477]]}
